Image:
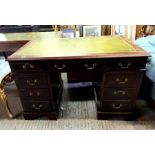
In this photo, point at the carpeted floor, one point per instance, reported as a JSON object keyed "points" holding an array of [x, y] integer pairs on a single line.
{"points": [[76, 124], [79, 113]]}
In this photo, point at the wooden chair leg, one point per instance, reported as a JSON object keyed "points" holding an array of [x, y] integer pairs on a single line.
{"points": [[4, 100]]}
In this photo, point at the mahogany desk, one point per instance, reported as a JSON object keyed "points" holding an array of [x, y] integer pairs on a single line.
{"points": [[116, 67]]}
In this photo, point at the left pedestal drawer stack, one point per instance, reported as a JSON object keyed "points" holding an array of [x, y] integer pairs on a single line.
{"points": [[36, 89]]}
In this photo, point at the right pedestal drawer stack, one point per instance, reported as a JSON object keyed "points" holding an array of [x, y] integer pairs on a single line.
{"points": [[119, 87]]}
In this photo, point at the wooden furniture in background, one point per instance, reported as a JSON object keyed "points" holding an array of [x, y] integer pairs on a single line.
{"points": [[5, 77], [116, 66], [144, 30], [63, 27]]}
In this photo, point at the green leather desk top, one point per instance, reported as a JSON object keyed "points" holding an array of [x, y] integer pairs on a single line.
{"points": [[47, 46]]}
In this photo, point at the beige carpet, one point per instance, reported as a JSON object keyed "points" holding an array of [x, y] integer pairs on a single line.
{"points": [[79, 113], [75, 124]]}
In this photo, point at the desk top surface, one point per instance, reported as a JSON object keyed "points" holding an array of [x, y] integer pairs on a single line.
{"points": [[49, 46]]}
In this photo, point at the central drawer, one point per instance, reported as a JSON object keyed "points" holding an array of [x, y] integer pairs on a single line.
{"points": [[88, 66], [35, 94], [60, 66], [118, 93], [75, 66]]}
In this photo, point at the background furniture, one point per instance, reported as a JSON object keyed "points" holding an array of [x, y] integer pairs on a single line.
{"points": [[105, 29], [25, 28], [45, 28], [144, 30], [18, 28], [5, 77], [116, 72]]}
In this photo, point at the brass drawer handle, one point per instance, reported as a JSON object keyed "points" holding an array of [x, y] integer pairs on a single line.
{"points": [[59, 68], [26, 65], [32, 83], [117, 107], [116, 92], [37, 107], [122, 82], [120, 64], [92, 67]]}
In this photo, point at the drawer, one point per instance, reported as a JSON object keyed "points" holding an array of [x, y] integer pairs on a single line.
{"points": [[122, 79], [31, 81], [35, 94], [60, 66], [33, 106], [118, 93], [125, 64], [75, 66], [117, 106], [28, 66], [88, 66]]}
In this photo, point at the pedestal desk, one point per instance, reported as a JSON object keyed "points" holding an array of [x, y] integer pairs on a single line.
{"points": [[112, 63]]}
